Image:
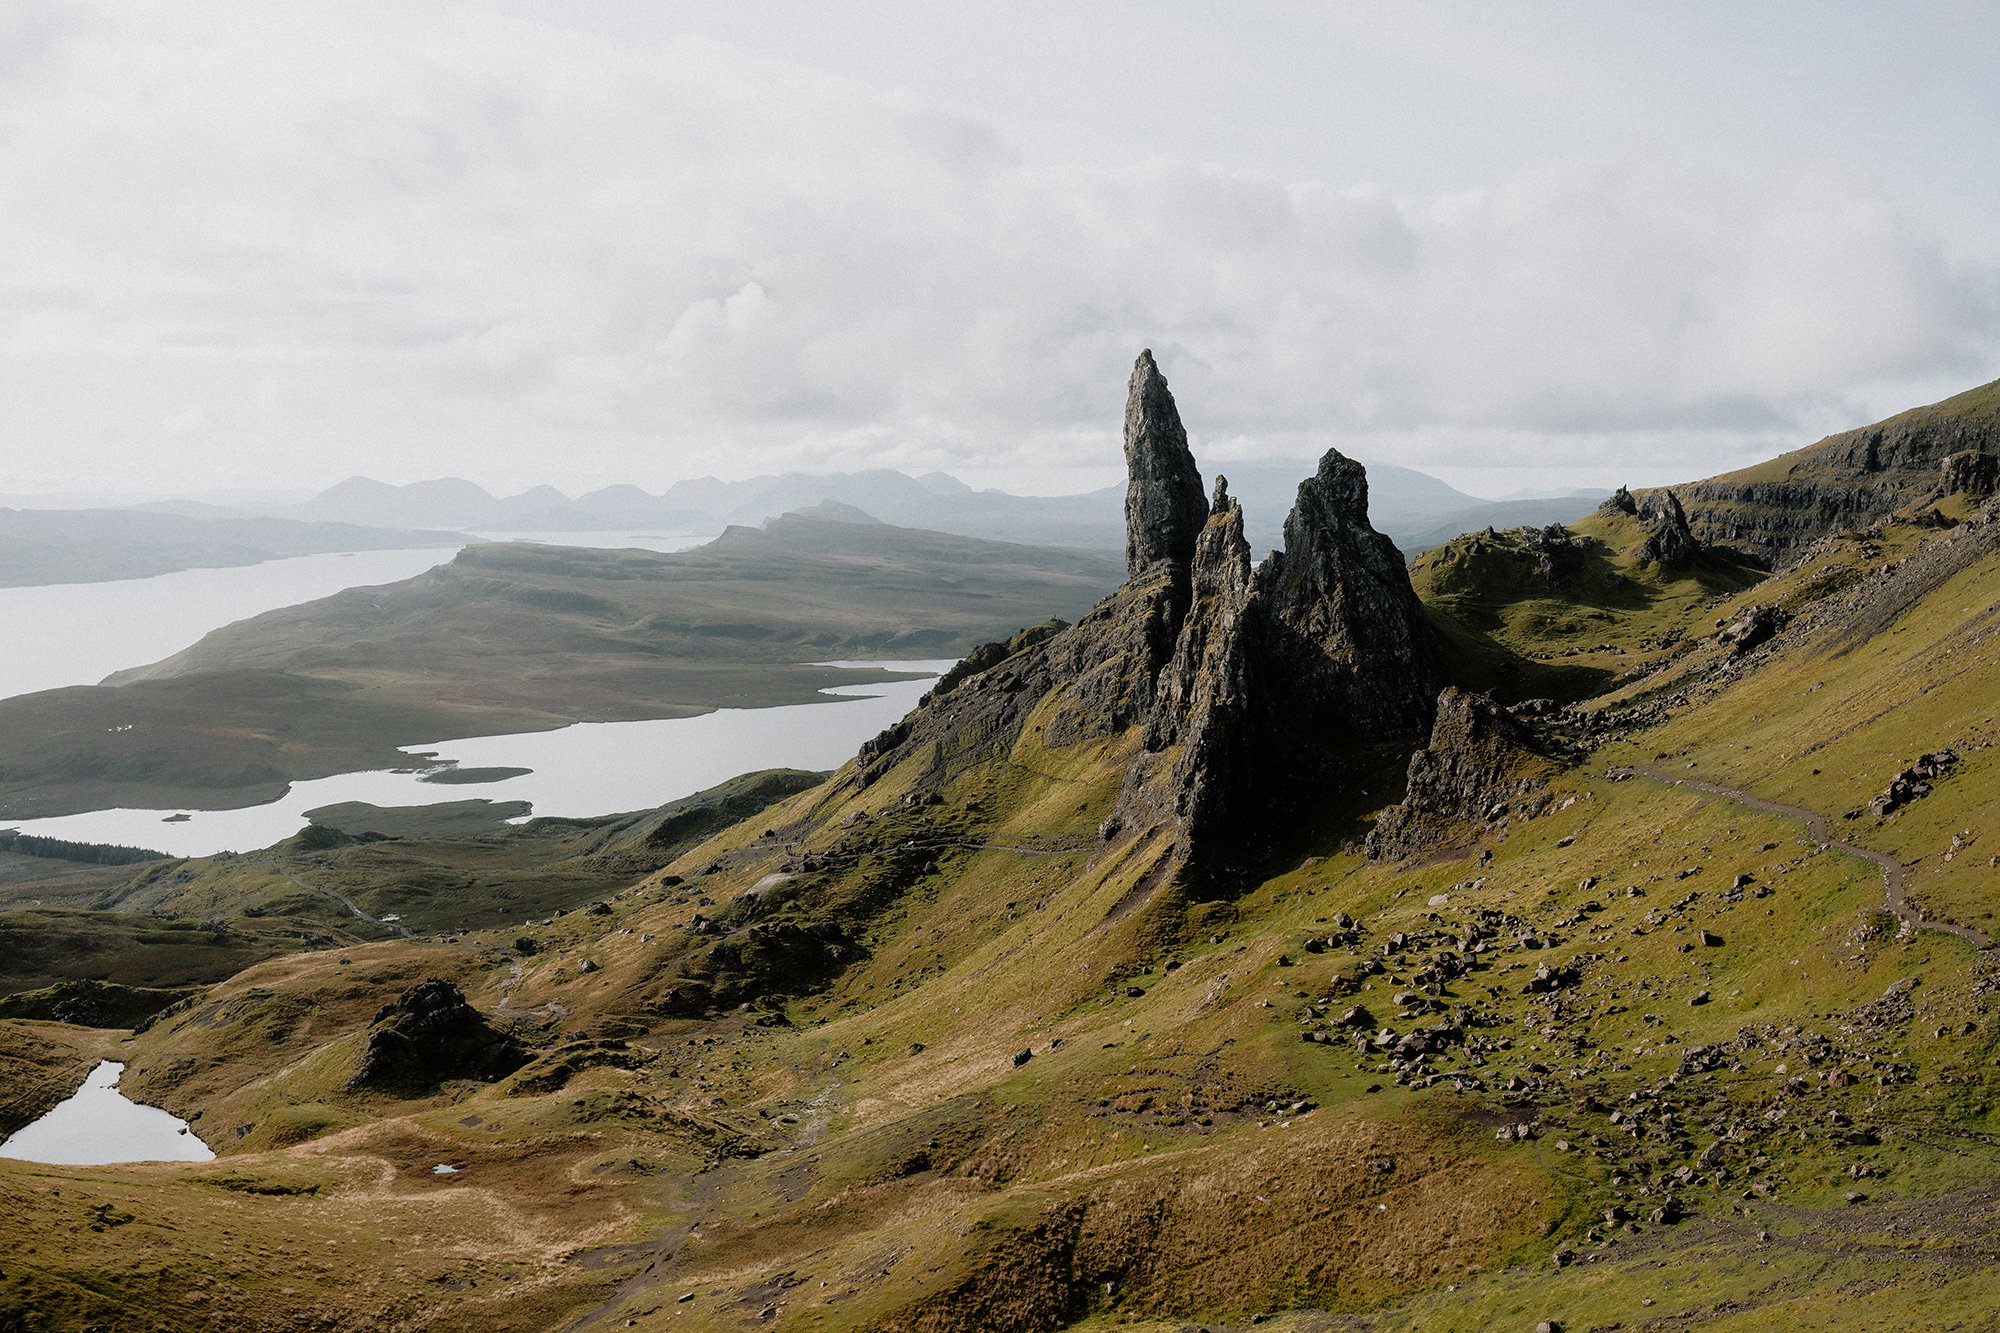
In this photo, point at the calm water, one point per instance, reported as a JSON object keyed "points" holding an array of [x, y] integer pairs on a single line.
{"points": [[592, 768], [98, 1125], [79, 633]]}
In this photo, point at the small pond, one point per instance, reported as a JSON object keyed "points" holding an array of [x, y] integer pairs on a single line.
{"points": [[98, 1125]]}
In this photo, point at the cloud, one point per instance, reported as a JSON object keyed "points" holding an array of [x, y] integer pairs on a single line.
{"points": [[417, 240]]}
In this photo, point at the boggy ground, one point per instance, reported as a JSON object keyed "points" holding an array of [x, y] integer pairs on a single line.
{"points": [[1651, 1059]]}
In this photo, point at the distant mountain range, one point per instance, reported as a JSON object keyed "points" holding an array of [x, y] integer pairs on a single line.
{"points": [[1415, 509], [47, 546]]}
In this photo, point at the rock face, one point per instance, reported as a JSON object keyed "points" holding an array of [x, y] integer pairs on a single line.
{"points": [[1249, 687], [1164, 508], [1849, 480], [1970, 472], [429, 1034], [1201, 729], [1345, 633], [1669, 540], [1480, 767]]}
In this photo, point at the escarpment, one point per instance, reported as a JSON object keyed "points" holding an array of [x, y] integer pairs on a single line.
{"points": [[1244, 686], [1850, 480], [1970, 472]]}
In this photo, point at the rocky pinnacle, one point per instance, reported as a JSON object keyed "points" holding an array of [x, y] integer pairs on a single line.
{"points": [[1669, 540], [1164, 506]]}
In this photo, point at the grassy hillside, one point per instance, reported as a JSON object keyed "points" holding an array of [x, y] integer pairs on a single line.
{"points": [[1533, 614], [1777, 509], [1656, 1057], [518, 637]]}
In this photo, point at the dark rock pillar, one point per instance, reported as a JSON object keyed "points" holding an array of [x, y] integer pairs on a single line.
{"points": [[1344, 630], [1669, 539], [1164, 506]]}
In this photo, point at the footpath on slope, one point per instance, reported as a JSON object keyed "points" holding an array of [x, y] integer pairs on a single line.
{"points": [[1820, 830], [344, 901]]}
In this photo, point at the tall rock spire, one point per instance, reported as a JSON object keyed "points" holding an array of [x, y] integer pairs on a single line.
{"points": [[1345, 629], [1164, 506]]}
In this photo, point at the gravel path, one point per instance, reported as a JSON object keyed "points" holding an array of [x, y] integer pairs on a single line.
{"points": [[1820, 830]]}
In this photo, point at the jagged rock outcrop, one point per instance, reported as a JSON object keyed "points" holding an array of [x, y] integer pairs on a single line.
{"points": [[1970, 472], [1164, 506], [1251, 686], [429, 1034], [1669, 539], [1110, 667], [1559, 554], [1480, 767], [989, 655], [1278, 673], [1620, 501], [1200, 734], [1344, 631], [1109, 662]]}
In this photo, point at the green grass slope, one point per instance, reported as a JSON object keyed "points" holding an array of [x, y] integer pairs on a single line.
{"points": [[920, 1054], [1528, 614]]}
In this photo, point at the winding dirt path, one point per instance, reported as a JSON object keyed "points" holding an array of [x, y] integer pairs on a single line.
{"points": [[346, 902], [1820, 830]]}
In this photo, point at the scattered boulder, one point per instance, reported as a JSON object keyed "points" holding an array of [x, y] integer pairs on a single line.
{"points": [[1550, 979], [1753, 626], [429, 1034], [1914, 782]]}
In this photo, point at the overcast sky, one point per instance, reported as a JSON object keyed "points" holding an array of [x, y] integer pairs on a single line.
{"points": [[274, 245]]}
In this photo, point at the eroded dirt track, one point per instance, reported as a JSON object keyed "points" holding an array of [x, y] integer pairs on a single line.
{"points": [[1820, 830]]}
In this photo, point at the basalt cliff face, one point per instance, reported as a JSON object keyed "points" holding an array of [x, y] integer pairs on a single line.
{"points": [[1244, 685], [1777, 510]]}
